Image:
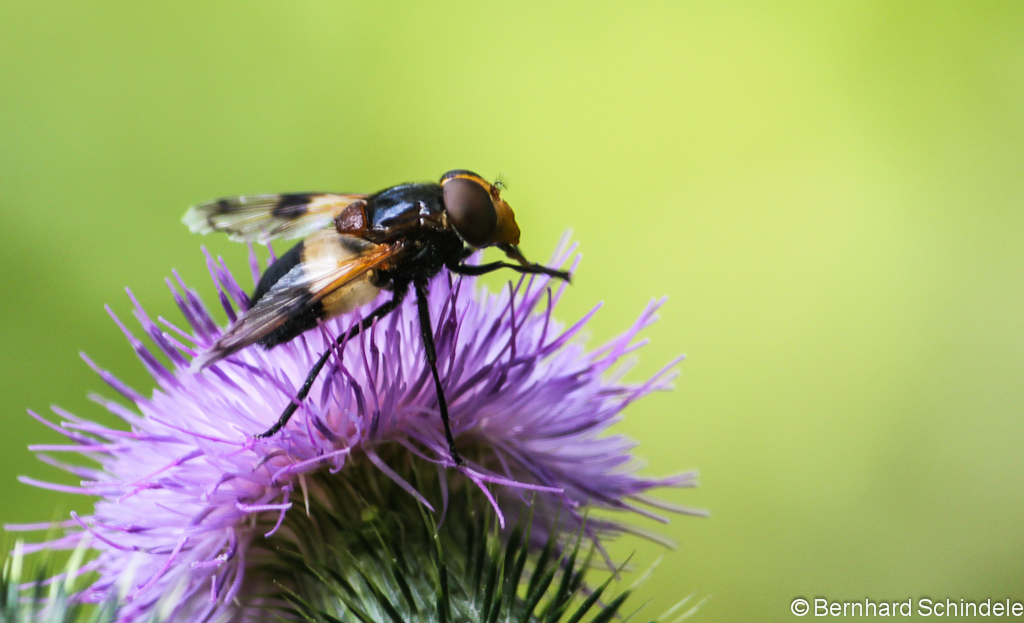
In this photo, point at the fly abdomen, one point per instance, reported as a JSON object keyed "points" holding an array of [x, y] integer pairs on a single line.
{"points": [[321, 277], [275, 271], [297, 323]]}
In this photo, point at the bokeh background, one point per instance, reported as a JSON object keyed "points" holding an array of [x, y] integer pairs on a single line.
{"points": [[829, 193]]}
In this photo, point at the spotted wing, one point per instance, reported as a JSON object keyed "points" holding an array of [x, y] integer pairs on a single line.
{"points": [[336, 276], [260, 218]]}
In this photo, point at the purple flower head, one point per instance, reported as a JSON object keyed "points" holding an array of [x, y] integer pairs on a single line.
{"points": [[187, 492]]}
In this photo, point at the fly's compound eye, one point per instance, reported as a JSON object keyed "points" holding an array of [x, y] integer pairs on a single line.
{"points": [[471, 210]]}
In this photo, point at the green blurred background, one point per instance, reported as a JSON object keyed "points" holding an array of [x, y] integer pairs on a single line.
{"points": [[829, 193]]}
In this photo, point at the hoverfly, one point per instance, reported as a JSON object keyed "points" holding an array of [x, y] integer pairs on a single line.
{"points": [[354, 246]]}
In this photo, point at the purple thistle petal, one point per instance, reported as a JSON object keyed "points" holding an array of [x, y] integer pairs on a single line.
{"points": [[33, 527], [112, 381], [254, 265], [401, 482], [187, 490]]}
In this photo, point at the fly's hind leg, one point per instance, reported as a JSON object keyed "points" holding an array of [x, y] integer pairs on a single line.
{"points": [[380, 312]]}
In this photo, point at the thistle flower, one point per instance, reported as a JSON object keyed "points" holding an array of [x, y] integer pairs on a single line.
{"points": [[194, 508]]}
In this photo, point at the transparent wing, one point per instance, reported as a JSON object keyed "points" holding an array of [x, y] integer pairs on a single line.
{"points": [[299, 289], [260, 218]]}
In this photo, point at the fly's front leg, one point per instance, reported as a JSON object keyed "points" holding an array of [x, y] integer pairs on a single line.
{"points": [[380, 312], [427, 333], [530, 269]]}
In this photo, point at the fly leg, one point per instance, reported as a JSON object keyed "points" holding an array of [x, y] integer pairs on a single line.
{"points": [[380, 312], [427, 332], [530, 269]]}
